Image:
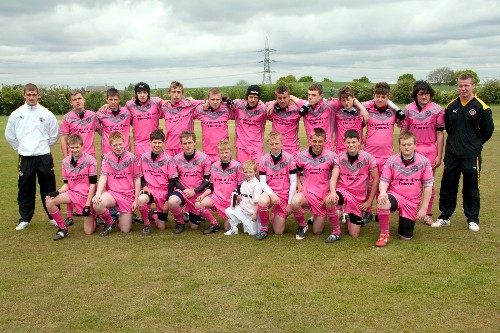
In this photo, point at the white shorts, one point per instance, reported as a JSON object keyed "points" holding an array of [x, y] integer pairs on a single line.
{"points": [[237, 216]]}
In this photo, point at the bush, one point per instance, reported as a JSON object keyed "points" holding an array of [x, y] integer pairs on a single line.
{"points": [[56, 99], [306, 79], [10, 99], [401, 93], [363, 92], [490, 92], [443, 97], [94, 100], [199, 93], [236, 92], [298, 91]]}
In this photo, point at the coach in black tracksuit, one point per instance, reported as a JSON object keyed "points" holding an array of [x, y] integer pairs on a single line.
{"points": [[469, 124]]}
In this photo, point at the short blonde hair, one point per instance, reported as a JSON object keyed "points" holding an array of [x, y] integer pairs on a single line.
{"points": [[274, 135], [115, 136], [223, 145], [250, 164]]}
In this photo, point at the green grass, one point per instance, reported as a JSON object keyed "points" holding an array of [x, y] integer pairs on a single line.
{"points": [[444, 280]]}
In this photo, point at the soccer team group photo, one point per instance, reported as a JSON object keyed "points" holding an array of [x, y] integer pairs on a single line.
{"points": [[257, 179]]}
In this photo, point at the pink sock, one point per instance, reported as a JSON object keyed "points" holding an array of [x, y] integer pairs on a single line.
{"points": [[208, 216], [263, 213], [333, 216], [177, 213], [69, 210], [384, 220], [144, 210], [106, 217], [56, 215], [299, 216]]}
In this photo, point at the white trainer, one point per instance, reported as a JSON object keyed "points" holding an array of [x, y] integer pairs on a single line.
{"points": [[231, 231], [53, 222], [22, 225], [473, 226], [441, 223]]}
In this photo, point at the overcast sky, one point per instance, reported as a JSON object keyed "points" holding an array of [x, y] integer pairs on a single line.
{"points": [[217, 43]]}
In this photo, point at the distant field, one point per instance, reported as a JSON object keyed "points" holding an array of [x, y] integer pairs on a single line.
{"points": [[443, 280]]}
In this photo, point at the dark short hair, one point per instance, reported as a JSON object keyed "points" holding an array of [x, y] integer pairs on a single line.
{"points": [[424, 86], [351, 134], [382, 88], [318, 131], [157, 134]]}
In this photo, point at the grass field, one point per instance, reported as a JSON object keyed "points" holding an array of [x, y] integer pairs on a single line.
{"points": [[444, 280]]}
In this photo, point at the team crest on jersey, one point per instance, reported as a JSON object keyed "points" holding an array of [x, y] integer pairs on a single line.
{"points": [[354, 167], [212, 114], [153, 164], [73, 169], [42, 119], [82, 122], [420, 116], [472, 112], [407, 171], [120, 166], [381, 116], [314, 162], [224, 173], [319, 111], [181, 162], [255, 113]]}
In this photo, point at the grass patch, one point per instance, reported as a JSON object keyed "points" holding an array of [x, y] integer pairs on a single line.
{"points": [[443, 280]]}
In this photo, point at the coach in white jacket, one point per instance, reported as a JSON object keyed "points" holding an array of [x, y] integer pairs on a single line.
{"points": [[32, 130]]}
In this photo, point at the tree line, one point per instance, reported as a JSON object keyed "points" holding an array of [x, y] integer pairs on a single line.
{"points": [[56, 99]]}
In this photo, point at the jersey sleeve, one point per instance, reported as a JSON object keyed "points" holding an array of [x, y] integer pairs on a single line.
{"points": [[64, 126]]}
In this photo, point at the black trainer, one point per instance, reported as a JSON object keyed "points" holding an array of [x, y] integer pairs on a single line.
{"points": [[107, 230], [179, 227], [367, 218], [301, 233], [69, 221], [60, 234], [146, 231], [211, 229]]}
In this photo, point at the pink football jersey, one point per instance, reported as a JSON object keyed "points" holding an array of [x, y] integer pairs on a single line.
{"points": [[108, 123], [225, 181], [408, 180], [287, 123], [423, 123], [121, 172], [77, 177], [178, 118], [192, 172], [250, 125], [86, 127], [380, 131], [316, 171], [213, 127], [354, 177], [278, 175], [157, 172]]}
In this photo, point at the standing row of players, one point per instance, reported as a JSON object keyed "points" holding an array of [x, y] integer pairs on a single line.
{"points": [[335, 117]]}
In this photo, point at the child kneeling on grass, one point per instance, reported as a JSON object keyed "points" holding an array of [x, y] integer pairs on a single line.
{"points": [[246, 211], [119, 185], [79, 173]]}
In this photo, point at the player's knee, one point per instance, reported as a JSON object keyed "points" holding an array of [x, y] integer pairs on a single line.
{"points": [[142, 200]]}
